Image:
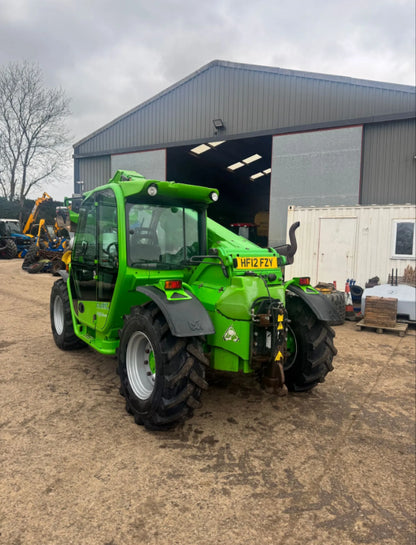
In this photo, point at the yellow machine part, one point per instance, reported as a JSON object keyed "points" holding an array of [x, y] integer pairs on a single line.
{"points": [[66, 258]]}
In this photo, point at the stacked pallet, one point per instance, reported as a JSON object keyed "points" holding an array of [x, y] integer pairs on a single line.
{"points": [[380, 311], [381, 314]]}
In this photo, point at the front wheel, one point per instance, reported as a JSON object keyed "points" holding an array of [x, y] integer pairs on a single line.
{"points": [[9, 250], [61, 318], [311, 347], [161, 376]]}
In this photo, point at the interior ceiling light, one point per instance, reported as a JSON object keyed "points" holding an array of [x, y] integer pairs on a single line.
{"points": [[235, 166], [267, 171], [251, 159], [200, 149], [215, 144], [257, 175]]}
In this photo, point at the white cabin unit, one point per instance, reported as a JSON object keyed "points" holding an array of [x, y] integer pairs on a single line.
{"points": [[352, 242]]}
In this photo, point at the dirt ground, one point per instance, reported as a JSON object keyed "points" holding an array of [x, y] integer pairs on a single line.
{"points": [[335, 466]]}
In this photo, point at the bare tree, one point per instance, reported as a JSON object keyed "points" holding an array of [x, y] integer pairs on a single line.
{"points": [[32, 129]]}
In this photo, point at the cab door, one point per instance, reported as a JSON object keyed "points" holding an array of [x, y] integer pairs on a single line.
{"points": [[107, 258], [94, 261]]}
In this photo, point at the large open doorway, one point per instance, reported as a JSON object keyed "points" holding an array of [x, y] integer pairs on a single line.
{"points": [[239, 169]]}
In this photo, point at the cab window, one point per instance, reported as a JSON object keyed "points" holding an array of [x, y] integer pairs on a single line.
{"points": [[161, 236]]}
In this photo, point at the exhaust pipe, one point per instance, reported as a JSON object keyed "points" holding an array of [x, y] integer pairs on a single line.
{"points": [[289, 250]]}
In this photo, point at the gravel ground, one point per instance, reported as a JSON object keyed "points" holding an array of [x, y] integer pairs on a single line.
{"points": [[335, 466]]}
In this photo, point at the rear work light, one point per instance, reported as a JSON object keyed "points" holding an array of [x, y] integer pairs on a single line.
{"points": [[304, 281], [152, 190], [173, 284]]}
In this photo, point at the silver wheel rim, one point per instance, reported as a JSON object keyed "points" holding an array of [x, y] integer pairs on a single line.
{"points": [[58, 315], [140, 365], [293, 356]]}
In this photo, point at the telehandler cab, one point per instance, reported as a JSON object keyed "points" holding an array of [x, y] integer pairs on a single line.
{"points": [[171, 292]]}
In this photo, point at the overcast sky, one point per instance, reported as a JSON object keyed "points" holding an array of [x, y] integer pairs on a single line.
{"points": [[111, 55]]}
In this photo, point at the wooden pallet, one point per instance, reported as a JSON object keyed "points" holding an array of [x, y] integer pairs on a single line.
{"points": [[400, 329], [381, 310]]}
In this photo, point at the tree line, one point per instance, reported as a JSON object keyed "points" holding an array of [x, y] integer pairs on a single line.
{"points": [[13, 210]]}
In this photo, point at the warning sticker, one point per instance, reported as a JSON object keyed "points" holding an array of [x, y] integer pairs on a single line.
{"points": [[231, 335]]}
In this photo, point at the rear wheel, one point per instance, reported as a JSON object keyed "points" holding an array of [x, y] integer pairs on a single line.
{"points": [[311, 347], [31, 256], [61, 318], [9, 250], [337, 299], [161, 376]]}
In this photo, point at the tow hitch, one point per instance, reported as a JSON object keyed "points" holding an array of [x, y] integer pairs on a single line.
{"points": [[269, 349]]}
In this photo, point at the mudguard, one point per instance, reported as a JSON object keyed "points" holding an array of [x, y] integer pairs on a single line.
{"points": [[64, 274], [318, 303], [186, 318]]}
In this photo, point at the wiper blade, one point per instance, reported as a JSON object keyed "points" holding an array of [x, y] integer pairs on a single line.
{"points": [[157, 265]]}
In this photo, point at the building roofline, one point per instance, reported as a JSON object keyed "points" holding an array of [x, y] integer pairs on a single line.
{"points": [[342, 123], [317, 75], [255, 68]]}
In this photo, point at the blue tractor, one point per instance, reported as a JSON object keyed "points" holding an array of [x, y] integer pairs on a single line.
{"points": [[13, 243]]}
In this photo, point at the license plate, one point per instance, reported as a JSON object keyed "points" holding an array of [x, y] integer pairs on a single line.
{"points": [[256, 263]]}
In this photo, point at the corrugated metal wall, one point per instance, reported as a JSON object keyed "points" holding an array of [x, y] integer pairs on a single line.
{"points": [[389, 163], [313, 168], [372, 242], [248, 99], [94, 171], [150, 164]]}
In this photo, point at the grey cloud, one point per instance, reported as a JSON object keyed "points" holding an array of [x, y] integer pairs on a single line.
{"points": [[111, 56]]}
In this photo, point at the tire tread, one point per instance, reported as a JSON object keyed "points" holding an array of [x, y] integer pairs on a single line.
{"points": [[315, 347], [180, 374]]}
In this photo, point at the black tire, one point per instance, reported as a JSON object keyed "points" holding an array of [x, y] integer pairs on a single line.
{"points": [[57, 266], [161, 376], [312, 348], [63, 233], [30, 257], [61, 318], [337, 298], [35, 268], [9, 251]]}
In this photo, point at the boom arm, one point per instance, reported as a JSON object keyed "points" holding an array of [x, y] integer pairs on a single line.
{"points": [[33, 214]]}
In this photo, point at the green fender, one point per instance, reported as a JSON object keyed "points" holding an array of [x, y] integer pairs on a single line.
{"points": [[186, 318], [318, 303]]}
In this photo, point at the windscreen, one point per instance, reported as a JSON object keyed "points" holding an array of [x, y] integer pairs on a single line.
{"points": [[13, 227], [161, 237]]}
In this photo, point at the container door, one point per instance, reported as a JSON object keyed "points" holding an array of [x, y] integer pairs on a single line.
{"points": [[336, 258]]}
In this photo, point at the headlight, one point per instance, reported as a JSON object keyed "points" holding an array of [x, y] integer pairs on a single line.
{"points": [[152, 190], [213, 196]]}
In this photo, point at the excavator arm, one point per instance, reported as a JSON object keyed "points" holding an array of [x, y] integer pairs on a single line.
{"points": [[34, 213]]}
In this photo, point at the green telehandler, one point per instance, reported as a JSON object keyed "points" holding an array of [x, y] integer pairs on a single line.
{"points": [[170, 292]]}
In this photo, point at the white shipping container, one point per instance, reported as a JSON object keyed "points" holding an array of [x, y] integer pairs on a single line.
{"points": [[352, 242]]}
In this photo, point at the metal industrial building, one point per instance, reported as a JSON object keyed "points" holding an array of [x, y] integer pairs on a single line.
{"points": [[267, 138]]}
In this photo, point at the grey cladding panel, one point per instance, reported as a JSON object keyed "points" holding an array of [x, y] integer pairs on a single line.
{"points": [[389, 164], [248, 99], [316, 168], [94, 171], [150, 164]]}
